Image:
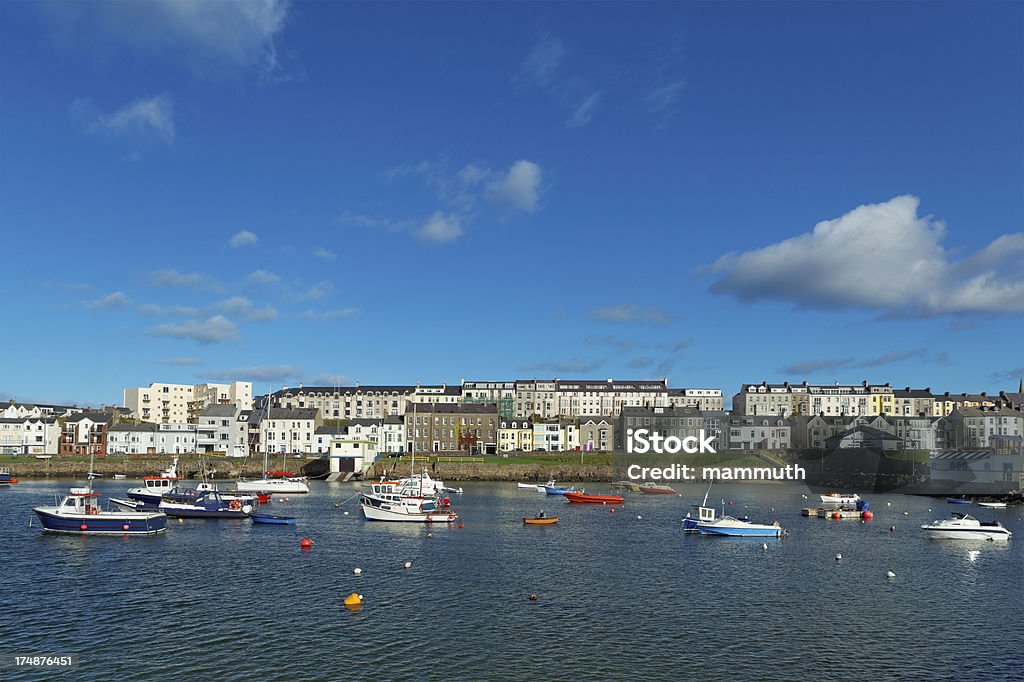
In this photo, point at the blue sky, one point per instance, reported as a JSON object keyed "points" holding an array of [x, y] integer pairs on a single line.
{"points": [[390, 193]]}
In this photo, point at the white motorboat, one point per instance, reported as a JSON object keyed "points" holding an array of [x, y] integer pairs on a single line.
{"points": [[842, 499], [155, 487], [391, 501], [966, 527], [292, 485], [992, 505], [527, 486]]}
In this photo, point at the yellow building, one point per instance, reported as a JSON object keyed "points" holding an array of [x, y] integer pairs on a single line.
{"points": [[515, 433]]}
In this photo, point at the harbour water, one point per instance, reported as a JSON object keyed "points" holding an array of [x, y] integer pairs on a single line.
{"points": [[622, 595]]}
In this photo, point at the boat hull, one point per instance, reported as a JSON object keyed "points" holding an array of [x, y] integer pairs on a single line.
{"points": [[938, 533], [387, 512], [551, 490], [271, 519], [738, 529], [583, 498], [957, 500], [273, 485], [992, 505], [104, 523], [540, 522], [188, 511]]}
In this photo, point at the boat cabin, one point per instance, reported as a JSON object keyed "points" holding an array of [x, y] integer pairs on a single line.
{"points": [[704, 513], [81, 501], [158, 485]]}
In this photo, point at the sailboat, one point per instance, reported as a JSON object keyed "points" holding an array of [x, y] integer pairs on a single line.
{"points": [[79, 512], [405, 500], [273, 481]]}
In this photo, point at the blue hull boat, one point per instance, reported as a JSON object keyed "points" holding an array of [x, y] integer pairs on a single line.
{"points": [[272, 519], [957, 500], [552, 490], [79, 513], [729, 527]]}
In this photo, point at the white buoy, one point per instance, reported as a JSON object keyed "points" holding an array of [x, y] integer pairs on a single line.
{"points": [[638, 516], [888, 504], [839, 557], [764, 546], [357, 570], [890, 575], [346, 513], [408, 564], [973, 555]]}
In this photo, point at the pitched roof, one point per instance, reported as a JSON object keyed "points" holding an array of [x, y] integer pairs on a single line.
{"points": [[104, 417], [219, 411]]}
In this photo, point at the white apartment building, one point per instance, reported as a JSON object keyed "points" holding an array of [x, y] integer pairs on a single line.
{"points": [[559, 398], [701, 398], [219, 431], [29, 436], [151, 439], [182, 403], [289, 430], [364, 402]]}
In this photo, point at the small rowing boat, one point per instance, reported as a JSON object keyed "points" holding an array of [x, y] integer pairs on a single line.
{"points": [[992, 505], [957, 500], [585, 498], [656, 489], [545, 521], [528, 486], [273, 519]]}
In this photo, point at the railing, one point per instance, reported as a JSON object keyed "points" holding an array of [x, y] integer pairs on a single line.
{"points": [[439, 458]]}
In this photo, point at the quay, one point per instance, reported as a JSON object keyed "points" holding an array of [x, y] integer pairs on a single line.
{"points": [[835, 514]]}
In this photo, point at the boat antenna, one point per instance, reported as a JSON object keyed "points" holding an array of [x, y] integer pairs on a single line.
{"points": [[708, 493]]}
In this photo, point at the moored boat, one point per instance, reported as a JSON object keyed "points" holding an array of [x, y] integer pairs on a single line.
{"points": [[527, 486], [6, 476], [656, 489], [272, 519], [551, 489], [79, 512], [192, 504], [840, 498], [540, 520], [586, 498], [992, 505], [274, 483], [155, 487], [626, 485], [966, 527], [729, 526], [389, 501], [957, 500]]}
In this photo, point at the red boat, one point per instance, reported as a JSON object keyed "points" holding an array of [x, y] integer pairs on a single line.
{"points": [[656, 489], [584, 498]]}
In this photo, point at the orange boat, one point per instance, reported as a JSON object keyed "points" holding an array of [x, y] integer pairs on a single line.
{"points": [[584, 498], [546, 521]]}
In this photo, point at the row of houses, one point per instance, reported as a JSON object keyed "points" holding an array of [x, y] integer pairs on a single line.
{"points": [[861, 400]]}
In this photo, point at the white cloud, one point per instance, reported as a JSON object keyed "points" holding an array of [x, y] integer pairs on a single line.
{"points": [[262, 278], [240, 306], [324, 254], [329, 380], [160, 310], [213, 330], [629, 313], [584, 112], [142, 118], [316, 291], [541, 64], [338, 314], [188, 280], [112, 301], [209, 35], [242, 238], [879, 257], [519, 189], [441, 228]]}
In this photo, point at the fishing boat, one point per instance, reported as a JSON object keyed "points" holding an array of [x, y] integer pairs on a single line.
{"points": [[551, 489], [272, 519], [193, 504], [527, 486], [585, 498], [405, 500], [79, 512], [966, 527], [842, 499], [6, 476], [957, 500], [656, 489], [626, 485], [729, 526], [540, 520], [155, 487], [992, 505]]}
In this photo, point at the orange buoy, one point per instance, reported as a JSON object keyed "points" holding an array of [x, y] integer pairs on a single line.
{"points": [[126, 526], [84, 527], [14, 480], [460, 524], [613, 510], [868, 515], [837, 516], [306, 543], [353, 601]]}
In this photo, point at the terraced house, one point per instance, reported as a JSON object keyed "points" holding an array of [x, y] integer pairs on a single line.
{"points": [[364, 402], [457, 429]]}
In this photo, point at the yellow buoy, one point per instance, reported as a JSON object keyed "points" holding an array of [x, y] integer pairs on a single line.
{"points": [[354, 601]]}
